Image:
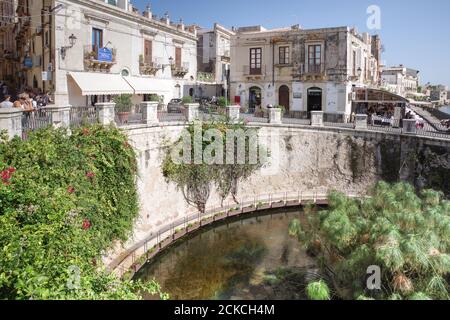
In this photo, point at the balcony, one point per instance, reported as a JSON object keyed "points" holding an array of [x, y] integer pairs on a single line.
{"points": [[149, 68], [93, 61], [311, 72], [179, 71], [254, 72], [206, 77]]}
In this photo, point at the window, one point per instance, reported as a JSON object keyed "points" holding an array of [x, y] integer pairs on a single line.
{"points": [[255, 60], [315, 55], [284, 57], [354, 63], [125, 73], [97, 39]]}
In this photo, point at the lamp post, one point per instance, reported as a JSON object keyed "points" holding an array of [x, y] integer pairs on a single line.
{"points": [[72, 41]]}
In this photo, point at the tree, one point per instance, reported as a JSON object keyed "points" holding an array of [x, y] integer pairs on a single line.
{"points": [[195, 179], [406, 235]]}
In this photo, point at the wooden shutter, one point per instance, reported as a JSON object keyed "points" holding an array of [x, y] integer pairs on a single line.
{"points": [[178, 57], [148, 51]]}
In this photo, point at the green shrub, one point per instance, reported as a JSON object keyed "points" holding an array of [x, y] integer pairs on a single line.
{"points": [[223, 102], [187, 99], [318, 291], [123, 102], [63, 201]]}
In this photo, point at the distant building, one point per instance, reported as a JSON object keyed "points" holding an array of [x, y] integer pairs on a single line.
{"points": [[439, 94], [302, 70], [400, 80], [213, 61]]}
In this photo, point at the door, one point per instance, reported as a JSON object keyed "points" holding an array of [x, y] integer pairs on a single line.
{"points": [[148, 51], [314, 100], [178, 57], [254, 99], [97, 39], [255, 61], [283, 97]]}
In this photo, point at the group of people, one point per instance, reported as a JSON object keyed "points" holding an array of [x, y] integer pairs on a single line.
{"points": [[29, 100]]}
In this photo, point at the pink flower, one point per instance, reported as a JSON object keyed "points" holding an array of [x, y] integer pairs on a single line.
{"points": [[86, 224], [6, 175], [71, 189], [90, 175], [85, 131], [12, 169]]}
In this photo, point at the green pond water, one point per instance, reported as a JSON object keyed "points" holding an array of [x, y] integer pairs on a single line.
{"points": [[249, 259]]}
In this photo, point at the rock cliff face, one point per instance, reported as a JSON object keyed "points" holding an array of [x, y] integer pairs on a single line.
{"points": [[304, 160]]}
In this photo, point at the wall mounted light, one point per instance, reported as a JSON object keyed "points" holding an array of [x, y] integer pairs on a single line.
{"points": [[72, 41]]}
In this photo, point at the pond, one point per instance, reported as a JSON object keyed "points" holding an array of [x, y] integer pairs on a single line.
{"points": [[249, 259]]}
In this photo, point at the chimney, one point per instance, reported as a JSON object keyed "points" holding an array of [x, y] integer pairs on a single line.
{"points": [[166, 19], [148, 12], [181, 25]]}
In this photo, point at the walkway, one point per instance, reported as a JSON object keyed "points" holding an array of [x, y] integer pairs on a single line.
{"points": [[135, 257]]}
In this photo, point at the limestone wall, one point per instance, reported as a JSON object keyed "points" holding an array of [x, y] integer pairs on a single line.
{"points": [[309, 159]]}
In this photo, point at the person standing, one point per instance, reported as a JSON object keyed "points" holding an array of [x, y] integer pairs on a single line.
{"points": [[7, 102]]}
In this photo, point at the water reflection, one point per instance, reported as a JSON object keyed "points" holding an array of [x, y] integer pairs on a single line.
{"points": [[248, 259]]}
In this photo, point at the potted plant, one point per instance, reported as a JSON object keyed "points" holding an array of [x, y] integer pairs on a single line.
{"points": [[123, 107]]}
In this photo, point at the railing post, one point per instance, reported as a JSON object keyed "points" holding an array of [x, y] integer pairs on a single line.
{"points": [[59, 116], [106, 113], [149, 112], [409, 126], [192, 111], [11, 121], [233, 113], [275, 115], [317, 118], [361, 122]]}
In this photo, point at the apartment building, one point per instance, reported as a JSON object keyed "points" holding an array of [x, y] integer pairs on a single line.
{"points": [[303, 70], [400, 80], [439, 94], [8, 58], [214, 56], [88, 51]]}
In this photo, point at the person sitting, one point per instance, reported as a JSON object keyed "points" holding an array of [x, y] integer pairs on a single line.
{"points": [[7, 102]]}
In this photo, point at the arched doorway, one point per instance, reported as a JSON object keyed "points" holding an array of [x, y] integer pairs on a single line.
{"points": [[283, 97], [314, 99], [254, 99], [191, 92]]}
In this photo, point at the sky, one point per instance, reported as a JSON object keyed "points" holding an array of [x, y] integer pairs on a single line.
{"points": [[414, 33]]}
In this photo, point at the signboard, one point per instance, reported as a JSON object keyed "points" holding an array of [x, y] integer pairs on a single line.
{"points": [[105, 55], [28, 62], [46, 76], [297, 95]]}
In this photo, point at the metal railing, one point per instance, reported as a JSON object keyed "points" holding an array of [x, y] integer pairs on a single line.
{"points": [[80, 116], [178, 116], [129, 115], [158, 240], [33, 120]]}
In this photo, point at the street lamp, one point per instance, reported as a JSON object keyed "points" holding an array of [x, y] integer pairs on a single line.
{"points": [[72, 41]]}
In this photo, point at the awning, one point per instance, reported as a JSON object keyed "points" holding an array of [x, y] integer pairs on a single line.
{"points": [[101, 84], [142, 85]]}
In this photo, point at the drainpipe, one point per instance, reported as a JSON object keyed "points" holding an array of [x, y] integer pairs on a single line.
{"points": [[273, 63]]}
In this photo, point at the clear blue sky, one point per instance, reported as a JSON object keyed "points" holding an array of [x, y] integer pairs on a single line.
{"points": [[414, 33]]}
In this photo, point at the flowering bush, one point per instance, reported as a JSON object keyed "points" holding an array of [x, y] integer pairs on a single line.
{"points": [[63, 201]]}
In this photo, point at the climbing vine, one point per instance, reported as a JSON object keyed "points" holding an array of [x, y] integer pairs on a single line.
{"points": [[195, 179], [64, 199]]}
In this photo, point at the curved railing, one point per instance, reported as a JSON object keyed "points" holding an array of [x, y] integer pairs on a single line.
{"points": [[135, 257]]}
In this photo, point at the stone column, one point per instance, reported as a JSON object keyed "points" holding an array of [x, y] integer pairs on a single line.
{"points": [[59, 116], [317, 118], [233, 113], [192, 111], [106, 113], [274, 115], [361, 122], [11, 121], [149, 112], [409, 126]]}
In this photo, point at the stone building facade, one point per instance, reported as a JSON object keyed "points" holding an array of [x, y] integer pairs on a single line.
{"points": [[214, 56], [400, 80], [302, 70], [88, 51]]}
